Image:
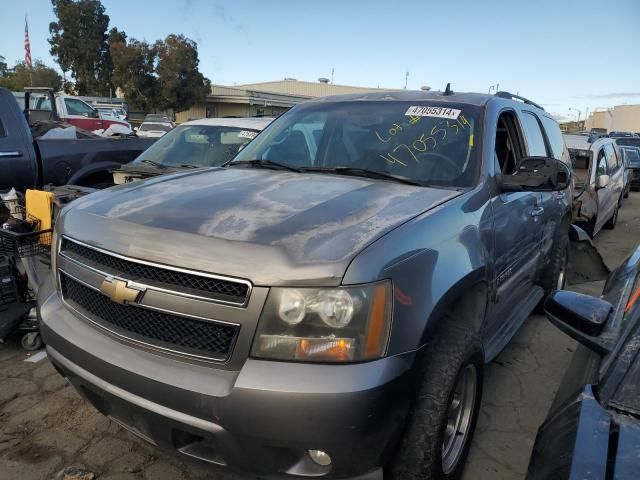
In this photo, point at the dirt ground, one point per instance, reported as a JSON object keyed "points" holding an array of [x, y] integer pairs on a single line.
{"points": [[45, 426]]}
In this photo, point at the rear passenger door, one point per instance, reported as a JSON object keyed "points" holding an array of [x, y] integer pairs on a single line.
{"points": [[556, 204]]}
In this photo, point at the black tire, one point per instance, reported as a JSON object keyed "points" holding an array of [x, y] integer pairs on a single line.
{"points": [[438, 367], [555, 274], [31, 341], [611, 223]]}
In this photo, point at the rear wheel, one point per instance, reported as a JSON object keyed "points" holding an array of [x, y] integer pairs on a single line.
{"points": [[555, 275], [445, 408]]}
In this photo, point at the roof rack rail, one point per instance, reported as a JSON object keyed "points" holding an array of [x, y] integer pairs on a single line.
{"points": [[502, 94]]}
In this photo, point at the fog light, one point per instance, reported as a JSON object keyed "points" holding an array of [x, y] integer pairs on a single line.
{"points": [[321, 458]]}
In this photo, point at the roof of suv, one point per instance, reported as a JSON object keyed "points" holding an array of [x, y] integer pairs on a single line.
{"points": [[477, 99], [581, 141]]}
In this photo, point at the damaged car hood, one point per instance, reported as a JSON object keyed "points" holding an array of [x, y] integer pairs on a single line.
{"points": [[272, 227]]}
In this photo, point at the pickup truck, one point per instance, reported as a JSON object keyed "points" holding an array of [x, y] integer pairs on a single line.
{"points": [[71, 110], [324, 305], [27, 162]]}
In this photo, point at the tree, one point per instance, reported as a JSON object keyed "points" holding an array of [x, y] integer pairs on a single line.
{"points": [[79, 43], [133, 71], [3, 66], [180, 83], [20, 77]]}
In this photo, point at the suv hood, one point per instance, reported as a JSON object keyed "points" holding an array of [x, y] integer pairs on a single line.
{"points": [[271, 227]]}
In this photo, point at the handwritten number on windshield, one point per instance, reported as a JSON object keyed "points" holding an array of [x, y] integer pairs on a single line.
{"points": [[391, 160]]}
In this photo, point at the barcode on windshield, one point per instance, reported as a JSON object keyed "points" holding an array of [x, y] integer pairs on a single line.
{"points": [[438, 112]]}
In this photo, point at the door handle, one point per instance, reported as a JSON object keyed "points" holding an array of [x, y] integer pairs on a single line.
{"points": [[537, 211], [10, 154]]}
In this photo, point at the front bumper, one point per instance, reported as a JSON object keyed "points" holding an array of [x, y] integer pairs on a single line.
{"points": [[260, 419]]}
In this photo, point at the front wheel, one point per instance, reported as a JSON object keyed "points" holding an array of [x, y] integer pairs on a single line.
{"points": [[445, 408]]}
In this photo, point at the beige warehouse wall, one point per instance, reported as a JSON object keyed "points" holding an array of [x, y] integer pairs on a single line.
{"points": [[232, 110], [626, 118], [599, 120]]}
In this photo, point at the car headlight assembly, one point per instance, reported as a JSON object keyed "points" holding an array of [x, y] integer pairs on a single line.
{"points": [[341, 324]]}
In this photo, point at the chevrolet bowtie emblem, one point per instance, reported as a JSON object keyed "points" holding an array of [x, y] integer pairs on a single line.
{"points": [[118, 291]]}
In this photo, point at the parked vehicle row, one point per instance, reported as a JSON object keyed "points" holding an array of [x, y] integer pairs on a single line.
{"points": [[26, 162], [349, 274]]}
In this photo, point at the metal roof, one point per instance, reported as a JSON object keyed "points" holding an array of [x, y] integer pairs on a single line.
{"points": [[305, 89]]}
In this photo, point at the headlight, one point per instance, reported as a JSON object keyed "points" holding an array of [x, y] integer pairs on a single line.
{"points": [[342, 324]]}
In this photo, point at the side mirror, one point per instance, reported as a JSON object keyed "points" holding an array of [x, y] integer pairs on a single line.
{"points": [[135, 129], [582, 317], [602, 182], [537, 174]]}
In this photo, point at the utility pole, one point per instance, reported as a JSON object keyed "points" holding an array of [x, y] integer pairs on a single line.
{"points": [[332, 72], [406, 79]]}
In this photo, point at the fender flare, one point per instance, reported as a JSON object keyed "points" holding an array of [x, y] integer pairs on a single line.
{"points": [[91, 169], [474, 289]]}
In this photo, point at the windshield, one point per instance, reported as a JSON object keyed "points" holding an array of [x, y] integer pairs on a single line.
{"points": [[155, 127], [630, 141], [432, 144], [199, 145], [632, 156]]}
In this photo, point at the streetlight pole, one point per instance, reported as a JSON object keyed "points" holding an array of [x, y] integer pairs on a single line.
{"points": [[579, 112]]}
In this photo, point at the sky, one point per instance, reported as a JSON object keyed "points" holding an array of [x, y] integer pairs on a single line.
{"points": [[562, 54]]}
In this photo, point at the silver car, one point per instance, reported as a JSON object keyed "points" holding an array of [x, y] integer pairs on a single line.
{"points": [[599, 181]]}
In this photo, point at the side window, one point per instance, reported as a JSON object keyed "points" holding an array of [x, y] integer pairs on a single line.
{"points": [[535, 140], [77, 107], [554, 135], [612, 157], [602, 163], [508, 150]]}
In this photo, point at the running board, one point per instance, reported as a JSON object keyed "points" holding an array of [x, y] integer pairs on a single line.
{"points": [[511, 326]]}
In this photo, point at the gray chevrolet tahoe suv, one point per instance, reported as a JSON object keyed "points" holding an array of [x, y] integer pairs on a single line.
{"points": [[324, 305]]}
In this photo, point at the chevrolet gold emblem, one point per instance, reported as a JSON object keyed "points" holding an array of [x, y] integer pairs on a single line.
{"points": [[118, 291]]}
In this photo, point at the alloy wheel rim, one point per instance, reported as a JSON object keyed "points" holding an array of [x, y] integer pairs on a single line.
{"points": [[459, 416]]}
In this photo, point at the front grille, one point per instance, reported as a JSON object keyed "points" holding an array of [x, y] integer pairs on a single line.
{"points": [[217, 289], [166, 331]]}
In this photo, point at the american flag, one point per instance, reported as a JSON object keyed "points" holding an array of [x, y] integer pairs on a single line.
{"points": [[27, 44]]}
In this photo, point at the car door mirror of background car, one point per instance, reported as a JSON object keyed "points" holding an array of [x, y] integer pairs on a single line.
{"points": [[602, 182], [536, 174], [580, 316]]}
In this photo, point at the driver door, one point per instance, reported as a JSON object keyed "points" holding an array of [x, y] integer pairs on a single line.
{"points": [[516, 231]]}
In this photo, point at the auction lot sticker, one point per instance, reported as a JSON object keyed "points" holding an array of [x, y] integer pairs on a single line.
{"points": [[438, 112], [247, 134]]}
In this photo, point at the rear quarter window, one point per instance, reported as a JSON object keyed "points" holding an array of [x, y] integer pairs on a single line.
{"points": [[3, 132], [535, 140], [556, 140]]}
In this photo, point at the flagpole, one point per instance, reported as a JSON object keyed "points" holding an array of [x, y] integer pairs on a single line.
{"points": [[27, 49]]}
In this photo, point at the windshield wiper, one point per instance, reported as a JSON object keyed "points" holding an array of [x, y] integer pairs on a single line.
{"points": [[265, 164], [363, 172], [188, 165], [155, 164]]}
